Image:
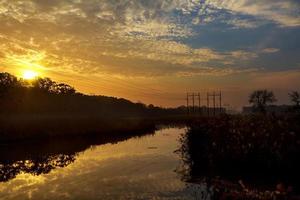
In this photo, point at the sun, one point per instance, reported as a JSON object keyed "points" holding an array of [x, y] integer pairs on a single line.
{"points": [[29, 75]]}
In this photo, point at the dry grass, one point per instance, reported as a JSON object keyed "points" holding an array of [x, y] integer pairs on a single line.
{"points": [[262, 151]]}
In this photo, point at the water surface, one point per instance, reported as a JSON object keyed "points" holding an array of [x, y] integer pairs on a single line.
{"points": [[137, 168]]}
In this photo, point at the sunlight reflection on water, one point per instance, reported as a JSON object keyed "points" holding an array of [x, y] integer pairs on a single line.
{"points": [[138, 168]]}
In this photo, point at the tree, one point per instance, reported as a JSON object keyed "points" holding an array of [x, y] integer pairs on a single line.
{"points": [[64, 89], [295, 98], [49, 86], [260, 99], [7, 81], [45, 84]]}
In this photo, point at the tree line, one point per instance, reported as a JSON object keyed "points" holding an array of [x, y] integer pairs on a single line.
{"points": [[45, 96], [260, 99]]}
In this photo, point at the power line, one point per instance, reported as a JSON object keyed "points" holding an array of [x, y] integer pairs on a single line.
{"points": [[216, 98]]}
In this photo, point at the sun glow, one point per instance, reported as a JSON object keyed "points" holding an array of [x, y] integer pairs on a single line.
{"points": [[29, 75]]}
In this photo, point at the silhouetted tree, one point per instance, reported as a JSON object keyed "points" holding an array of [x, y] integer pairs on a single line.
{"points": [[151, 106], [45, 96], [64, 89], [7, 81], [49, 86], [45, 84], [295, 98], [260, 99]]}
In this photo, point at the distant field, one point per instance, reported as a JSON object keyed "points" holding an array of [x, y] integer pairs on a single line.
{"points": [[19, 127], [34, 127]]}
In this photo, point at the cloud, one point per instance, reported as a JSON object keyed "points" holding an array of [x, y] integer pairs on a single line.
{"points": [[126, 17], [243, 23], [130, 38], [270, 50], [132, 57], [284, 13], [86, 37]]}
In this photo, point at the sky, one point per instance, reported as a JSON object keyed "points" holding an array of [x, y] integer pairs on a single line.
{"points": [[156, 51]]}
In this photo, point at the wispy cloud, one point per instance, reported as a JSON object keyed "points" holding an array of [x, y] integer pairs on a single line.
{"points": [[124, 38], [136, 38], [270, 50], [285, 13]]}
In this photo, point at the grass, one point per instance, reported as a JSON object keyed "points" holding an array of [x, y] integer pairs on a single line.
{"points": [[244, 156]]}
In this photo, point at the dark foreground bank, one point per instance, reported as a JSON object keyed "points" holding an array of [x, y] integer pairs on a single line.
{"points": [[244, 157]]}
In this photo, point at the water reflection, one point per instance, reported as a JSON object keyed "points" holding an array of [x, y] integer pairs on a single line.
{"points": [[121, 167], [137, 168], [40, 157], [38, 166]]}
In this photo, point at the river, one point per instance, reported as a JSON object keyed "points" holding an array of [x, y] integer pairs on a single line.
{"points": [[137, 168]]}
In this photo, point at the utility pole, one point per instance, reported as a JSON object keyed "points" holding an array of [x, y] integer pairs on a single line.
{"points": [[187, 103], [220, 102], [199, 98], [207, 104], [214, 102], [193, 102], [216, 98]]}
